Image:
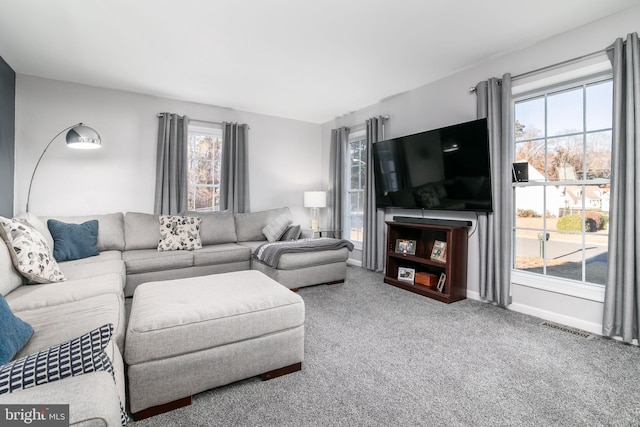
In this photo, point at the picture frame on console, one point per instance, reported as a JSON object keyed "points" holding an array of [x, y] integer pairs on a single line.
{"points": [[406, 274], [439, 251], [407, 247]]}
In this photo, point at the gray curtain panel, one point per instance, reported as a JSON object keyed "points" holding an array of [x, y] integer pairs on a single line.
{"points": [[622, 292], [494, 229], [339, 141], [234, 170], [373, 220], [171, 165]]}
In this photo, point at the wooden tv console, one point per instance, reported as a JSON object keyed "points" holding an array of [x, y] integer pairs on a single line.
{"points": [[410, 243]]}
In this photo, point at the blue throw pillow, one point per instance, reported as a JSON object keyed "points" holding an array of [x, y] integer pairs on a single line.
{"points": [[74, 241], [14, 332]]}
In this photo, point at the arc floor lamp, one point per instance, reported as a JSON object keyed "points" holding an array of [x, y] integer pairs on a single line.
{"points": [[79, 136]]}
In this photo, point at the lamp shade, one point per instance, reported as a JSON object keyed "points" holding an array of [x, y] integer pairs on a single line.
{"points": [[83, 137], [315, 199], [79, 136]]}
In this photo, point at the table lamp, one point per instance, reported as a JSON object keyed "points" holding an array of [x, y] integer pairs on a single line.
{"points": [[315, 200]]}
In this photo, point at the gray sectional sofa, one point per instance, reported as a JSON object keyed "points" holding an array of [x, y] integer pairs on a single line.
{"points": [[96, 287]]}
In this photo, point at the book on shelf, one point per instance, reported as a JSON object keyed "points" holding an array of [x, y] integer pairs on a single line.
{"points": [[439, 251]]}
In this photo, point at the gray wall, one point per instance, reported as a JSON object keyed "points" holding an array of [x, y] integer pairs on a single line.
{"points": [[7, 137], [283, 154], [448, 101]]}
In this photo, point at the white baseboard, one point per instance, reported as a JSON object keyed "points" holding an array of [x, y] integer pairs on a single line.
{"points": [[591, 327], [354, 262]]}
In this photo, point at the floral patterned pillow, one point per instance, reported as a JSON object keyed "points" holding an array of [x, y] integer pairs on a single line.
{"points": [[179, 233], [29, 251]]}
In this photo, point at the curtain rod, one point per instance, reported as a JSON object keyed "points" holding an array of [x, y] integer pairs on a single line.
{"points": [[197, 120], [552, 66]]}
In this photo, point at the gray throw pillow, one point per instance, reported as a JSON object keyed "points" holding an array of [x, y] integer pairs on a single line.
{"points": [[292, 233], [276, 227]]}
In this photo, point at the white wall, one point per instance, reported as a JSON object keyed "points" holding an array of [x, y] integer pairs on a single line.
{"points": [[449, 101], [284, 155]]}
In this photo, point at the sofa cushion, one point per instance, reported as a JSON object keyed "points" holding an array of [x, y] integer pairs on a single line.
{"points": [[29, 252], [89, 270], [145, 260], [74, 241], [39, 296], [216, 227], [141, 231], [276, 227], [10, 278], [221, 254], [110, 228], [179, 233], [59, 323], [14, 333], [102, 256], [249, 225]]}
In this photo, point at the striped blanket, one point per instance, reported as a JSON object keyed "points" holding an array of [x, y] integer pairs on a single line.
{"points": [[270, 253]]}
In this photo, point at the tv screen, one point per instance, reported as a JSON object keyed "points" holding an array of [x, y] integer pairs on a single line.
{"points": [[447, 168]]}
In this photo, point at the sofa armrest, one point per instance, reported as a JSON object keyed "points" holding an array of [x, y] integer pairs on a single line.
{"points": [[306, 233], [92, 399]]}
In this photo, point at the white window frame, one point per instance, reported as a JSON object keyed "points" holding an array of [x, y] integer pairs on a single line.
{"points": [[356, 133], [580, 289], [209, 129]]}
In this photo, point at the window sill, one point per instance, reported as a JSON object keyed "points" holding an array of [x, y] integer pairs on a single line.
{"points": [[558, 285]]}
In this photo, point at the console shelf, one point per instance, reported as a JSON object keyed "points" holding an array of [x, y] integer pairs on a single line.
{"points": [[421, 238]]}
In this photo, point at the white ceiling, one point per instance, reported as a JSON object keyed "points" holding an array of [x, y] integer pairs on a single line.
{"points": [[300, 59]]}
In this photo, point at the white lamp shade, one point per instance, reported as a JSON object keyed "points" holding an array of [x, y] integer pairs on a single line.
{"points": [[315, 199]]}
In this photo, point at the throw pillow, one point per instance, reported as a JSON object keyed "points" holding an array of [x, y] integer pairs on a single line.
{"points": [[292, 233], [29, 251], [75, 357], [74, 241], [14, 332], [276, 227], [179, 233]]}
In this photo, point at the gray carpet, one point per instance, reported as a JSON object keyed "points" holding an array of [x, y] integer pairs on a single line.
{"points": [[376, 355]]}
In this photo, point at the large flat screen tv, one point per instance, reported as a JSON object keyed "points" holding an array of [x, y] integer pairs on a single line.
{"points": [[447, 168]]}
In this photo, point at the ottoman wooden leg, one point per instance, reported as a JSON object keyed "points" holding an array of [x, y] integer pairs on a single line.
{"points": [[155, 410], [282, 371]]}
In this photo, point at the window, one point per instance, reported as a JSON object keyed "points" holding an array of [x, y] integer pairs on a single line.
{"points": [[355, 181], [561, 214], [203, 156]]}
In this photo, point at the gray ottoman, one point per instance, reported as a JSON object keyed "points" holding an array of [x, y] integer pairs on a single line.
{"points": [[189, 335]]}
